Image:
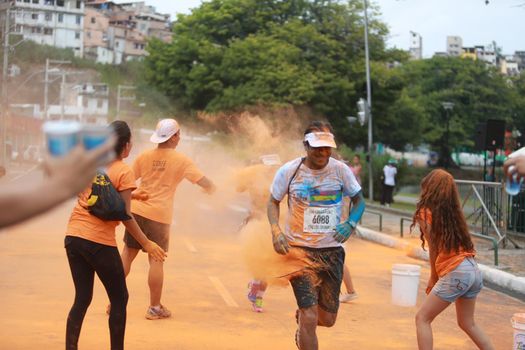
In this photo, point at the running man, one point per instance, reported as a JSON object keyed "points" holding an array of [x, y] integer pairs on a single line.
{"points": [[160, 171], [256, 180], [315, 186]]}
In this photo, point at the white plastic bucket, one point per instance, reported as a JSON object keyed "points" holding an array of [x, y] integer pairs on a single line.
{"points": [[518, 323], [405, 283]]}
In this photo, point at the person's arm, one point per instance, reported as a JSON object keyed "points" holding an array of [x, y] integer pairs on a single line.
{"points": [[133, 228], [207, 185], [432, 255], [345, 229], [518, 167], [280, 243], [66, 177]]}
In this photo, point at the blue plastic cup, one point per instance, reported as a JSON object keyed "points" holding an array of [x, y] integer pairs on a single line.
{"points": [[61, 136], [94, 135], [513, 186]]}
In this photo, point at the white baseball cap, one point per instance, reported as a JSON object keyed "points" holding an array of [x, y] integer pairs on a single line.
{"points": [[320, 139], [165, 129]]}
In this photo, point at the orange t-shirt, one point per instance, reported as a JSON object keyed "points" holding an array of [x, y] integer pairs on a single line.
{"points": [[445, 261], [84, 225], [160, 171]]}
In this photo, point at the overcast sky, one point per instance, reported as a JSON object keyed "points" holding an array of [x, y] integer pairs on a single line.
{"points": [[478, 24]]}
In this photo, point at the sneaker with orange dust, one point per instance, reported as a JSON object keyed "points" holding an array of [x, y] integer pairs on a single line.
{"points": [[258, 305], [157, 312]]}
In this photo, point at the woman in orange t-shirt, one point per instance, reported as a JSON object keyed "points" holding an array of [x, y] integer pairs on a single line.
{"points": [[455, 276], [91, 248]]}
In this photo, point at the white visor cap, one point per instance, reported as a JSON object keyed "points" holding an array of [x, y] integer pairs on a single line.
{"points": [[165, 129], [320, 139]]}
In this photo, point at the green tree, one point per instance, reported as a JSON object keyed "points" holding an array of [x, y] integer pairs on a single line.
{"points": [[229, 54]]}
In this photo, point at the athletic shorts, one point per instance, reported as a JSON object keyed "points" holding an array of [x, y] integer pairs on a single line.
{"points": [[154, 230], [465, 281], [320, 286]]}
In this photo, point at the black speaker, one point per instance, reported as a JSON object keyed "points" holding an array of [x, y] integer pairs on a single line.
{"points": [[480, 136], [495, 135]]}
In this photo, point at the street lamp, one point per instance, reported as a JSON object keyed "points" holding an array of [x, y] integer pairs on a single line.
{"points": [[369, 102], [448, 106]]}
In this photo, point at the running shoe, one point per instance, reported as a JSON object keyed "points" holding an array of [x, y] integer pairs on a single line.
{"points": [[156, 313], [348, 297], [258, 305]]}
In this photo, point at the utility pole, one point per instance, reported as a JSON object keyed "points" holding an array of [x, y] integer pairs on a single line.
{"points": [[120, 90], [62, 95], [49, 70], [369, 101], [46, 88], [5, 65]]}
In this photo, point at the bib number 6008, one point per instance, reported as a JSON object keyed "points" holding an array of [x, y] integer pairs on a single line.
{"points": [[321, 219]]}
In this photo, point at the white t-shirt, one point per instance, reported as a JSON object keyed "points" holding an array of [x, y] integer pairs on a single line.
{"points": [[390, 175], [316, 201]]}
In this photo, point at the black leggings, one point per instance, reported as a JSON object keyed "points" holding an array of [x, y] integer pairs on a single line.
{"points": [[85, 258]]}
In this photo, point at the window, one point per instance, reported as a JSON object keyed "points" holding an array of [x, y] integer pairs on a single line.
{"points": [[77, 35], [36, 30], [79, 4], [93, 20], [35, 1], [60, 3], [18, 28], [61, 17], [78, 19], [88, 35], [28, 1], [48, 31], [48, 16], [34, 16]]}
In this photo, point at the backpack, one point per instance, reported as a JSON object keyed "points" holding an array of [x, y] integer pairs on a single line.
{"points": [[105, 202]]}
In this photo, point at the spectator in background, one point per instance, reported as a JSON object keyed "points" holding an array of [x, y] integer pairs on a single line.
{"points": [[356, 167], [389, 182]]}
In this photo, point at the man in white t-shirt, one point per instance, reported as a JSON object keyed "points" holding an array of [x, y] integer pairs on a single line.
{"points": [[389, 182], [315, 186]]}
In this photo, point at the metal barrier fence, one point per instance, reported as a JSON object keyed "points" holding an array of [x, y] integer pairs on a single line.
{"points": [[490, 212], [516, 214]]}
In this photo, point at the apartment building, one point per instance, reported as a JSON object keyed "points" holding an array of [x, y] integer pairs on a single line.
{"points": [[119, 32], [416, 46], [58, 23], [96, 37], [454, 46]]}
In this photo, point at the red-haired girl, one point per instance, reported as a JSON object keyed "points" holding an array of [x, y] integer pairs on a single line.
{"points": [[455, 276]]}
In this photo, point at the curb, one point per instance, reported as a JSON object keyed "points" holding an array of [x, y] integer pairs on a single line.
{"points": [[501, 280], [394, 211]]}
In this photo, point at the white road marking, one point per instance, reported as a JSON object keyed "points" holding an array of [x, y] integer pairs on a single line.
{"points": [[238, 208], [228, 299], [190, 246]]}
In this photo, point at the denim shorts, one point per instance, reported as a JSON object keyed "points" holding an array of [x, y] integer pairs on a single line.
{"points": [[465, 281]]}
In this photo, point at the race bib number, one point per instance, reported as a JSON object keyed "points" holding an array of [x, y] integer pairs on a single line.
{"points": [[319, 220]]}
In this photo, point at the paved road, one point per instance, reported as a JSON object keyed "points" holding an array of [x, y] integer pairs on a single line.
{"points": [[205, 289]]}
